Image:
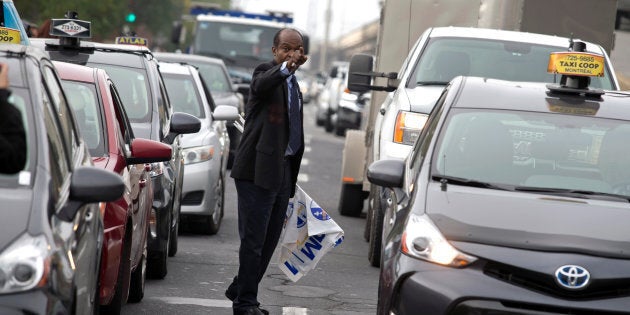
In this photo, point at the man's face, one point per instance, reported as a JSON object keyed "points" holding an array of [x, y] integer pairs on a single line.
{"points": [[289, 42]]}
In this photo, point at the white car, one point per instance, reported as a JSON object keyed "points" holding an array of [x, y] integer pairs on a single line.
{"points": [[439, 55], [206, 152]]}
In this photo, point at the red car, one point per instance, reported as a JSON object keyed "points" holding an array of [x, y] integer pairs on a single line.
{"points": [[105, 128]]}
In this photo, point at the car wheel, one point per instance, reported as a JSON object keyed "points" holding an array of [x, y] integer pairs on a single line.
{"points": [[376, 233], [156, 265], [121, 290], [173, 243], [213, 222], [138, 277], [368, 219], [351, 200]]}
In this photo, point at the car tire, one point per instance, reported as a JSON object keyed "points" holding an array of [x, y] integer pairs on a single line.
{"points": [[368, 218], [173, 243], [121, 290], [351, 200], [157, 265], [340, 131], [376, 232], [213, 222], [138, 277]]}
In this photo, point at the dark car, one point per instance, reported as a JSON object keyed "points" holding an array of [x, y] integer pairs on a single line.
{"points": [[107, 132], [514, 200], [51, 232], [216, 78], [135, 72]]}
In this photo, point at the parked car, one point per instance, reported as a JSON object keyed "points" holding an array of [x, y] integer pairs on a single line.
{"points": [[135, 72], [439, 55], [510, 204], [328, 100], [217, 79], [104, 126], [205, 152], [350, 110], [51, 232]]}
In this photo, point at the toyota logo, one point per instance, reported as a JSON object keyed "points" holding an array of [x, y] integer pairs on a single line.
{"points": [[572, 277]]}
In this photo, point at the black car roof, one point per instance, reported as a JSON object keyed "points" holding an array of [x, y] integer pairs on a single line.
{"points": [[526, 96]]}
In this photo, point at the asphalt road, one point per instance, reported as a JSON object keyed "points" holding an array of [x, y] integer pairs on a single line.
{"points": [[343, 282]]}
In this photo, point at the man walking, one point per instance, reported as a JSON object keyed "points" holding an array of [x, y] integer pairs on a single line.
{"points": [[266, 165]]}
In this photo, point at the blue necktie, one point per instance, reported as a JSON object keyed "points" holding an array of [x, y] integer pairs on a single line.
{"points": [[295, 119]]}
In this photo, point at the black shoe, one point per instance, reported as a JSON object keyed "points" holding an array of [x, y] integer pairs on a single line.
{"points": [[251, 311], [231, 292]]}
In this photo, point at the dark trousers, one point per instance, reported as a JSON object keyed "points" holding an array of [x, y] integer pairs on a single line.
{"points": [[261, 214]]}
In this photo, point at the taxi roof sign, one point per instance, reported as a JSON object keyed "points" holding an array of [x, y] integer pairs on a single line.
{"points": [[576, 64], [70, 28], [9, 35], [132, 40]]}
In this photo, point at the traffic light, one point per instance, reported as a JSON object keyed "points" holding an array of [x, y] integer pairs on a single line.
{"points": [[131, 17]]}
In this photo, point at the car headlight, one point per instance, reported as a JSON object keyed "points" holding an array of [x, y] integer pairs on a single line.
{"points": [[24, 264], [198, 154], [408, 127], [422, 239]]}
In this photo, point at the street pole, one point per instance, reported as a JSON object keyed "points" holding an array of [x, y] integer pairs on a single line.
{"points": [[324, 51]]}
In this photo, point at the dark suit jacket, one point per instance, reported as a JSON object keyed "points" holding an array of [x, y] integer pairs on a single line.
{"points": [[260, 155]]}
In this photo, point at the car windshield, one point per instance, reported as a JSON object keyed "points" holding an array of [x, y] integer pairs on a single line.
{"points": [[21, 100], [133, 86], [535, 151], [183, 94], [237, 40], [446, 58], [214, 77], [85, 107]]}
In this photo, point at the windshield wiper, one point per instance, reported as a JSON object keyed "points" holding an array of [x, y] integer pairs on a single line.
{"points": [[431, 83], [576, 193], [445, 179]]}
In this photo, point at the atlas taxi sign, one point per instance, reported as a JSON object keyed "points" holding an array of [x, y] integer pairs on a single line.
{"points": [[576, 64], [132, 40]]}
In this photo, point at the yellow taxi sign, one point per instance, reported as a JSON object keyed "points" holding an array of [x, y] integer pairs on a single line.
{"points": [[9, 35], [576, 63], [132, 40]]}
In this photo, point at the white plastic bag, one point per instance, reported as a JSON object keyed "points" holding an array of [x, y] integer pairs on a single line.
{"points": [[308, 234]]}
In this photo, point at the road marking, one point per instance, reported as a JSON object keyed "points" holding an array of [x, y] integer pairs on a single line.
{"points": [[307, 149], [294, 311], [221, 303], [304, 162]]}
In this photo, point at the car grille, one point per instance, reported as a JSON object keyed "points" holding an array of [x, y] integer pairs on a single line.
{"points": [[545, 283], [193, 198]]}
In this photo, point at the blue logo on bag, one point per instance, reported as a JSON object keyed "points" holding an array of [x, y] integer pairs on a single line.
{"points": [[319, 213], [301, 218]]}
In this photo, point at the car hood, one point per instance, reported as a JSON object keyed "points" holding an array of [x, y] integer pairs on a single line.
{"points": [[422, 98], [198, 138], [15, 211], [530, 221]]}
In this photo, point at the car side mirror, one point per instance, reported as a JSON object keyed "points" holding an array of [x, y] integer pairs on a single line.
{"points": [[387, 173], [90, 184], [149, 151], [182, 123], [225, 112]]}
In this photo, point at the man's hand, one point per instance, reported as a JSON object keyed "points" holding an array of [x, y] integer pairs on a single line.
{"points": [[297, 59]]}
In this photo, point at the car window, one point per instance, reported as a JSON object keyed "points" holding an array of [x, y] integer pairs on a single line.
{"points": [[87, 111], [215, 77], [121, 116], [61, 107], [21, 100], [446, 58], [183, 94], [58, 159], [164, 110], [421, 146], [133, 86], [535, 149]]}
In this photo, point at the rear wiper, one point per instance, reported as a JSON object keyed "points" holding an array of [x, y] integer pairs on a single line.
{"points": [[445, 179], [576, 193], [431, 83]]}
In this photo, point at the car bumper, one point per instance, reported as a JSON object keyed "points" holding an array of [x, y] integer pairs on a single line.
{"points": [[198, 191], [433, 289], [33, 302]]}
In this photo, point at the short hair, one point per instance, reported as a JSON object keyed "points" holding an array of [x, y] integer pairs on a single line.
{"points": [[276, 38]]}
